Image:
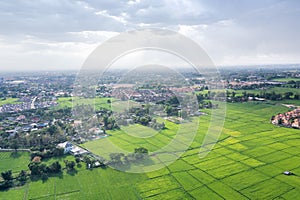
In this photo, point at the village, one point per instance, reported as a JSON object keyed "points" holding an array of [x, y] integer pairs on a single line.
{"points": [[289, 119]]}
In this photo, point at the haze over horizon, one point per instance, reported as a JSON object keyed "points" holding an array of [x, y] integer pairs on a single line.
{"points": [[55, 34]]}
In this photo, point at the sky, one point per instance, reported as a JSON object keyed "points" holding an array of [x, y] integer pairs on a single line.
{"points": [[60, 34]]}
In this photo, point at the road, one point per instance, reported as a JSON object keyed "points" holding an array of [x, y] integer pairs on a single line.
{"points": [[32, 103]]}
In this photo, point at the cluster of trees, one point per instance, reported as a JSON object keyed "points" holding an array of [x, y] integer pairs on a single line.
{"points": [[41, 170], [91, 162], [251, 86], [171, 110], [140, 153], [293, 84], [104, 117], [109, 122], [48, 153], [156, 126], [171, 106], [140, 115], [10, 181], [70, 165], [231, 97], [204, 100]]}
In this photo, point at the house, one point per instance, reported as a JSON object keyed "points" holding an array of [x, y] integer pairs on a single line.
{"points": [[42, 125], [35, 119], [34, 129], [20, 118], [26, 128], [97, 164], [70, 148], [77, 123], [67, 146], [11, 133], [259, 99], [10, 119], [77, 151], [95, 130]]}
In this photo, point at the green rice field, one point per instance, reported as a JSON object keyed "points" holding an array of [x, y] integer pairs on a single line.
{"points": [[247, 162]]}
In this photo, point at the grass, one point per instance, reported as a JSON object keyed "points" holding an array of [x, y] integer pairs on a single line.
{"points": [[130, 137], [14, 161], [78, 186], [246, 163], [286, 79], [97, 103], [139, 131], [9, 101]]}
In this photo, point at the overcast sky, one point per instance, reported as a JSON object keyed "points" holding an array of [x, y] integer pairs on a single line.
{"points": [[60, 34]]}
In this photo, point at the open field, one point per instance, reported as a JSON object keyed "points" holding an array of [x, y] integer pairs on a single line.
{"points": [[15, 161], [286, 79], [98, 102], [85, 184], [9, 101], [246, 163]]}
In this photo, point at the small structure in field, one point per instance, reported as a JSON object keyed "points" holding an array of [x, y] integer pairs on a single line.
{"points": [[288, 173]]}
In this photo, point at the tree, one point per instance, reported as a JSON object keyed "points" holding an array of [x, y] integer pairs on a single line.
{"points": [[52, 129], [287, 95], [70, 165], [173, 101], [15, 145], [44, 176], [37, 169], [168, 110], [34, 168], [55, 167], [140, 153], [77, 160], [7, 175], [141, 150], [58, 152], [22, 177], [116, 157], [105, 121], [88, 161]]}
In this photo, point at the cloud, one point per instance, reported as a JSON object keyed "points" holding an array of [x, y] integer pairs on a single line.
{"points": [[262, 34], [63, 32]]}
